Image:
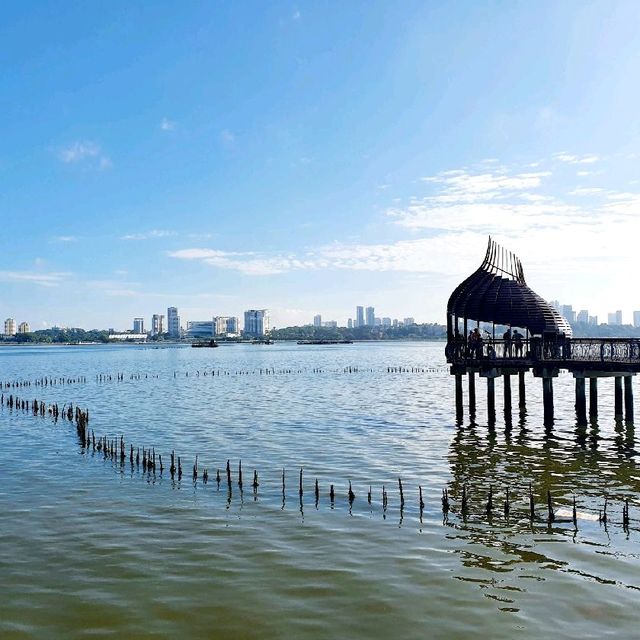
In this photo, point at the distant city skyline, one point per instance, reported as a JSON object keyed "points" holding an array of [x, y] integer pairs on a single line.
{"points": [[273, 170]]}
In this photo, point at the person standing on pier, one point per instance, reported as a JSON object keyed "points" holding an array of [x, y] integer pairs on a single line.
{"points": [[507, 343], [517, 340]]}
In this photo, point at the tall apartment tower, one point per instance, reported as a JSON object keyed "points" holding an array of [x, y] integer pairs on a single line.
{"points": [[9, 327], [317, 320], [370, 319], [359, 322], [173, 322], [24, 327], [138, 325], [583, 316], [157, 324], [256, 322], [636, 318]]}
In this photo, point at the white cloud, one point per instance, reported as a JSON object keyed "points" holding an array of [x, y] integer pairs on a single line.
{"points": [[575, 159], [148, 235], [65, 238], [83, 152], [585, 191], [49, 279], [167, 125], [227, 138]]}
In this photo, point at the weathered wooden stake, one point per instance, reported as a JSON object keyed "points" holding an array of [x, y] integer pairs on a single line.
{"points": [[490, 500], [618, 397], [551, 515], [401, 492], [522, 392], [593, 397], [628, 399]]}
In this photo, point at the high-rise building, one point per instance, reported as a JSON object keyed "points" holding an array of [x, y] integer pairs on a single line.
{"points": [[636, 318], [317, 320], [9, 327], [555, 304], [408, 321], [157, 324], [611, 318], [615, 318], [256, 322], [349, 323], [583, 316], [386, 322], [331, 324], [567, 311], [200, 328], [370, 316], [618, 316], [138, 325], [226, 326], [359, 317], [173, 322], [593, 320], [24, 327]]}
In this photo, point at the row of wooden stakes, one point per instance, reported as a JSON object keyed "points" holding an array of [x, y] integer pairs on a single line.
{"points": [[115, 449], [46, 381]]}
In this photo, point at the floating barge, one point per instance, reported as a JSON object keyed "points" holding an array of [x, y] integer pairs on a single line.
{"points": [[325, 341]]}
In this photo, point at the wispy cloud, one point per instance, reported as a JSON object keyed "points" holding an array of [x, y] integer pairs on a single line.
{"points": [[227, 138], [148, 235], [65, 239], [85, 152], [167, 125], [50, 279], [575, 159]]}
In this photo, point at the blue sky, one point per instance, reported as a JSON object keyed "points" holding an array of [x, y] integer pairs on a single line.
{"points": [[308, 157]]}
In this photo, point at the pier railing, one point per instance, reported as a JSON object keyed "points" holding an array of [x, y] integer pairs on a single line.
{"points": [[556, 351]]}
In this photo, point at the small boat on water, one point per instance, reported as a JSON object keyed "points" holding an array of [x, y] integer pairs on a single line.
{"points": [[210, 343]]}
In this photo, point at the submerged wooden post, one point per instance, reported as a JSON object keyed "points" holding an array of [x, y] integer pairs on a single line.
{"points": [[459, 406], [472, 393], [581, 401], [628, 399], [491, 399], [547, 399], [618, 396], [507, 393], [522, 399], [593, 397]]}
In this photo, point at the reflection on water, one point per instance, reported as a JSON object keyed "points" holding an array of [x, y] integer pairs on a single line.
{"points": [[91, 545]]}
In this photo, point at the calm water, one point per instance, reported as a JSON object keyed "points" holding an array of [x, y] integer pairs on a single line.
{"points": [[90, 548]]}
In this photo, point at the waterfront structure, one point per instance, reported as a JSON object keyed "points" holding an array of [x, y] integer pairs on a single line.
{"points": [[200, 328], [9, 327], [227, 326], [138, 325], [317, 320], [497, 293], [256, 323], [370, 318], [128, 337], [24, 327], [359, 322], [157, 324], [173, 322]]}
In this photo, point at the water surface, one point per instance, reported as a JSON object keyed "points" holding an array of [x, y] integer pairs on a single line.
{"points": [[92, 548]]}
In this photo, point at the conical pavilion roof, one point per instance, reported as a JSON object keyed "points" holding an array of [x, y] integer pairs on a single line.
{"points": [[497, 292]]}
